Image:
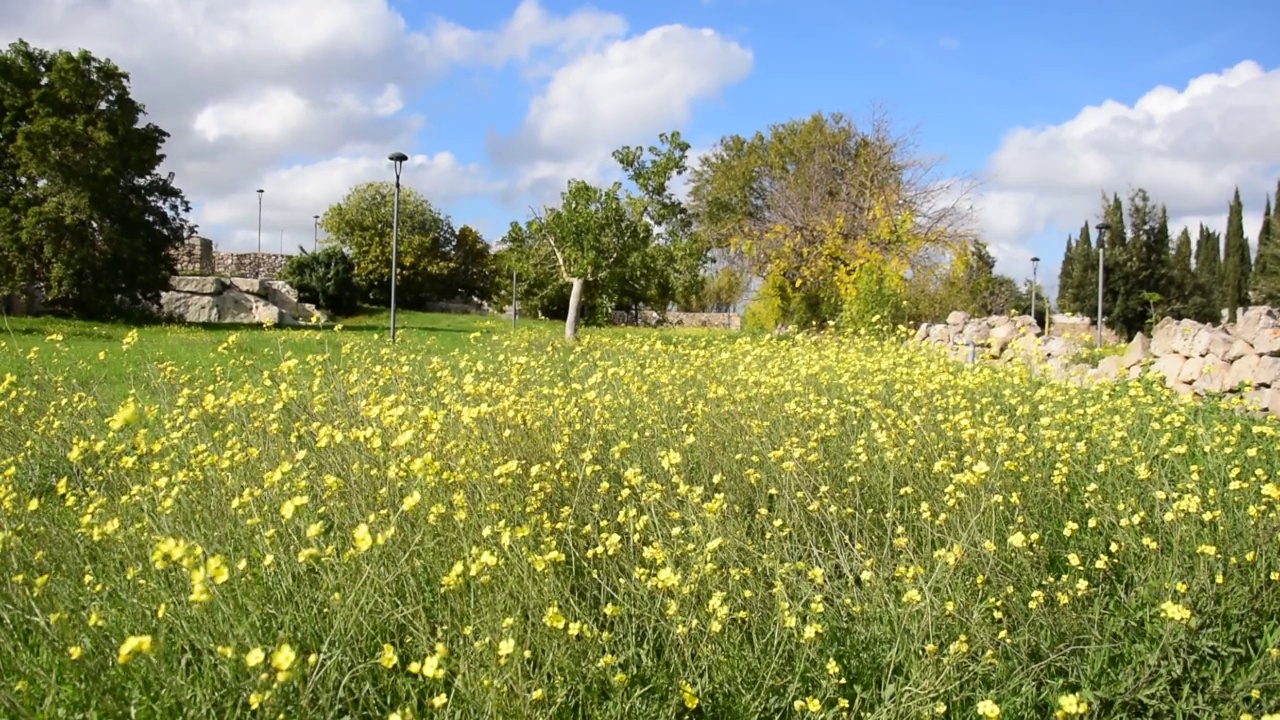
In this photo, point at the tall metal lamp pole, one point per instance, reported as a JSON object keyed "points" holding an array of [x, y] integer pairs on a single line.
{"points": [[258, 260], [315, 242], [1035, 262], [397, 159], [1102, 229]]}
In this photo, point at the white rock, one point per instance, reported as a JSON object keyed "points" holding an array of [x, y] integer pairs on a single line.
{"points": [[195, 284], [1191, 370], [1242, 371], [1169, 367], [1213, 376], [1239, 349], [1137, 351], [253, 286], [236, 306], [187, 307], [1267, 371], [1162, 337], [957, 317]]}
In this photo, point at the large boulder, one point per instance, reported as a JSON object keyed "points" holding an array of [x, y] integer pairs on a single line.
{"points": [[1111, 367], [188, 307], [1239, 349], [237, 306], [253, 286], [957, 318], [1191, 369], [196, 284]]}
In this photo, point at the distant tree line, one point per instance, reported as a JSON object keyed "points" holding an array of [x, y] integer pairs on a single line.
{"points": [[1148, 275]]}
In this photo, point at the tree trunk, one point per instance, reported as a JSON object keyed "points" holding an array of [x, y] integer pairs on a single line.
{"points": [[575, 298]]}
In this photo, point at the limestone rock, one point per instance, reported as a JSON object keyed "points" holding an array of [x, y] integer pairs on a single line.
{"points": [[977, 332], [1162, 337], [197, 285], [1182, 389], [1260, 327], [1257, 399], [1111, 367], [237, 306], [1137, 351], [1273, 404], [957, 318], [1213, 376], [1191, 370], [253, 286], [1169, 367], [1242, 371], [187, 307], [1267, 371], [1239, 349], [922, 333]]}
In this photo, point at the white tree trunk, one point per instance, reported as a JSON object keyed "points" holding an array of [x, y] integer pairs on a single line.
{"points": [[575, 297]]}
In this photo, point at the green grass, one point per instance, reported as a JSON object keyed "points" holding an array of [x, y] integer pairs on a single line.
{"points": [[640, 525]]}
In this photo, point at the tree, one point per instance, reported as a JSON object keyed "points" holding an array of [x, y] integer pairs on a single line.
{"points": [[671, 263], [1140, 268], [1235, 259], [1119, 296], [361, 224], [325, 277], [718, 292], [1265, 282], [1082, 296], [472, 272], [1182, 284], [84, 212], [1207, 303], [1066, 274], [590, 237], [839, 213]]}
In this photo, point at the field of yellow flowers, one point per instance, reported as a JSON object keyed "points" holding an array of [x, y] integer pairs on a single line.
{"points": [[319, 524]]}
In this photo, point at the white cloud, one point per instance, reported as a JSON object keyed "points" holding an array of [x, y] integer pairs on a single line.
{"points": [[625, 93], [305, 97], [1190, 149]]}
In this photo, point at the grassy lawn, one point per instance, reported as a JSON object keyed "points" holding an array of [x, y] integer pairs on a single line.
{"points": [[477, 522]]}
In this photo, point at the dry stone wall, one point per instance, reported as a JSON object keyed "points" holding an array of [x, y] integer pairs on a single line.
{"points": [[196, 257], [651, 318], [1238, 360]]}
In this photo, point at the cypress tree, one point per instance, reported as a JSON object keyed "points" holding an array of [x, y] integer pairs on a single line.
{"points": [[1265, 239], [1266, 273], [1208, 276], [1234, 255], [1066, 275], [1118, 292], [1085, 278], [1181, 278]]}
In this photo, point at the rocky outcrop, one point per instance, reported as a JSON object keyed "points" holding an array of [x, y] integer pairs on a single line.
{"points": [[235, 300], [995, 337]]}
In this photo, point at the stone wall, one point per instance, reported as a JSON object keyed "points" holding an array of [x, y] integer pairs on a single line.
{"points": [[651, 318], [210, 299], [1233, 361], [197, 257]]}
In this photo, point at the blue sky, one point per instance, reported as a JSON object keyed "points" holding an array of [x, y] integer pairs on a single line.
{"points": [[963, 73], [500, 103]]}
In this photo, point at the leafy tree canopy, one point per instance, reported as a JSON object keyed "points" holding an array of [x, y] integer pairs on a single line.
{"points": [[84, 211]]}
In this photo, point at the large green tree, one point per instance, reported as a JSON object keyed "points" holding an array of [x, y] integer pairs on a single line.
{"points": [[1081, 296], [1181, 299], [837, 213], [1265, 283], [1066, 275], [84, 211], [361, 224], [472, 271], [1235, 259], [1208, 296], [591, 237], [1119, 295]]}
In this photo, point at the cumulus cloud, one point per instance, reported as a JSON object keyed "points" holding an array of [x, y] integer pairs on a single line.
{"points": [[625, 93], [304, 97], [1189, 148]]}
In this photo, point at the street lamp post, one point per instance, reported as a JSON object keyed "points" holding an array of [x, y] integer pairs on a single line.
{"points": [[258, 260], [397, 159], [315, 241], [1102, 229], [1035, 262]]}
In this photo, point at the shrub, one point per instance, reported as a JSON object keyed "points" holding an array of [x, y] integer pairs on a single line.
{"points": [[326, 278]]}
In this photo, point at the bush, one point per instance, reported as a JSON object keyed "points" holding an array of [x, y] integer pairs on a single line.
{"points": [[326, 278]]}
